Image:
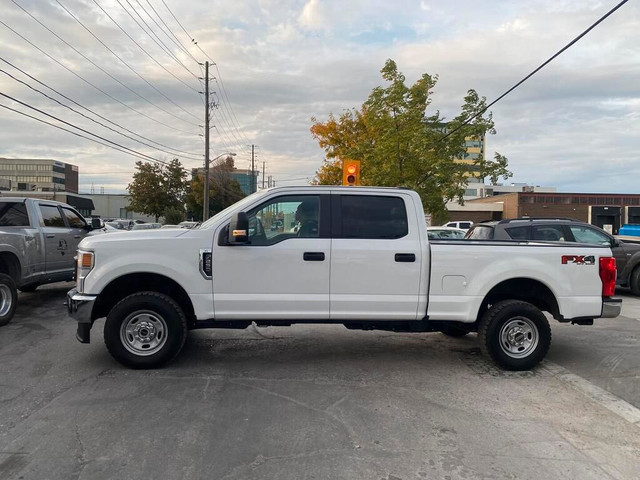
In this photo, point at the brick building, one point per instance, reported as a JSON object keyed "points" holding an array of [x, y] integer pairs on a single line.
{"points": [[607, 210]]}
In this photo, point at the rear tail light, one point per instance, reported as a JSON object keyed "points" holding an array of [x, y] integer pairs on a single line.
{"points": [[608, 276]]}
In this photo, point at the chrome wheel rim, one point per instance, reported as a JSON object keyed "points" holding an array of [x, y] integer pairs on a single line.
{"points": [[143, 333], [6, 300], [519, 337]]}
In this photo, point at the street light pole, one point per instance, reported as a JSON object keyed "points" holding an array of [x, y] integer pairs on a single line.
{"points": [[205, 207]]}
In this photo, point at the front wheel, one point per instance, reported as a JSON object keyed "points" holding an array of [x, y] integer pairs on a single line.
{"points": [[8, 298], [515, 334], [145, 330]]}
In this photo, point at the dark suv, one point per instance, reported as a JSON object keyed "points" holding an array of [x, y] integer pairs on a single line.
{"points": [[565, 230]]}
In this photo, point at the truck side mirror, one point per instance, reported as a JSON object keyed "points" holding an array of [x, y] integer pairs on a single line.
{"points": [[96, 224], [239, 229]]}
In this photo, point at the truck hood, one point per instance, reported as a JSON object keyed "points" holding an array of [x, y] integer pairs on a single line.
{"points": [[141, 236]]}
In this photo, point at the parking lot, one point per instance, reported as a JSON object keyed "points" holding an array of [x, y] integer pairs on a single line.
{"points": [[316, 402]]}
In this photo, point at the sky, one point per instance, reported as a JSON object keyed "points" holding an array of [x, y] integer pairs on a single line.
{"points": [[134, 67]]}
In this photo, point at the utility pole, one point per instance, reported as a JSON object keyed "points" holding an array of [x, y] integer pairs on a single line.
{"points": [[252, 170], [205, 206], [263, 175]]}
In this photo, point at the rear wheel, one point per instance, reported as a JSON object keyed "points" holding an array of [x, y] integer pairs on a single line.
{"points": [[634, 281], [515, 334], [8, 298], [145, 330]]}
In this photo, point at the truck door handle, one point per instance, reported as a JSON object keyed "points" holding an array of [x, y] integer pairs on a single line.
{"points": [[313, 256], [50, 235], [77, 236], [405, 257]]}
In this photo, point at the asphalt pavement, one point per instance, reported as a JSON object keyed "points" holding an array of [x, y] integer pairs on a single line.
{"points": [[316, 402]]}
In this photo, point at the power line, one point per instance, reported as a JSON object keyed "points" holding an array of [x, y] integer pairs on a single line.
{"points": [[204, 53], [158, 63], [103, 70], [91, 111], [177, 41], [79, 128], [224, 90], [161, 44], [134, 41], [162, 30], [127, 65], [74, 133], [89, 83], [87, 117], [562, 50]]}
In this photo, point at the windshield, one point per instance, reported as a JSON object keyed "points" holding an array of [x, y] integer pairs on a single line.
{"points": [[240, 205]]}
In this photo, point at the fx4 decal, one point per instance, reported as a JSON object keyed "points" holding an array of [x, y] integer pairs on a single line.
{"points": [[578, 259]]}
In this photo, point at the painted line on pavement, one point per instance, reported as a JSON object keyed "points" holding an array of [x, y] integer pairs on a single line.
{"points": [[608, 400]]}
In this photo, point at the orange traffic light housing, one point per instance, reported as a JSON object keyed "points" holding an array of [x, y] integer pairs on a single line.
{"points": [[351, 172]]}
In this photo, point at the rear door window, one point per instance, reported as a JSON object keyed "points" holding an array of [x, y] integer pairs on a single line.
{"points": [[548, 233], [518, 233], [13, 214], [373, 217]]}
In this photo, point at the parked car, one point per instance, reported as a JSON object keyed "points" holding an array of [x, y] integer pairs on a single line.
{"points": [[187, 224], [145, 226], [38, 241], [627, 254], [121, 224], [369, 266], [462, 224], [446, 233]]}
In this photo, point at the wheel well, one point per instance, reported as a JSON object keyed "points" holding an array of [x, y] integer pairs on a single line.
{"points": [[10, 265], [142, 282], [525, 289]]}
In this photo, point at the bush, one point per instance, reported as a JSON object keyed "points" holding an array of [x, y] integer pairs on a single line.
{"points": [[173, 216]]}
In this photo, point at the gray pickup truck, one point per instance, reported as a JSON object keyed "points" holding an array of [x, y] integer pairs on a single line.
{"points": [[38, 241]]}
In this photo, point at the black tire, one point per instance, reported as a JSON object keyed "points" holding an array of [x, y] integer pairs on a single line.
{"points": [[28, 288], [8, 298], [515, 334], [634, 281], [145, 330], [454, 331]]}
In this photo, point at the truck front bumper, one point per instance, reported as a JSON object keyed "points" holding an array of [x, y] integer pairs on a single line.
{"points": [[611, 307], [79, 307]]}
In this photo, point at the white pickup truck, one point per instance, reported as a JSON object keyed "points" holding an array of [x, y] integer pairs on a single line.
{"points": [[340, 255]]}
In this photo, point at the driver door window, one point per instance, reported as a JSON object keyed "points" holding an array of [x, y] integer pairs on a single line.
{"points": [[282, 218]]}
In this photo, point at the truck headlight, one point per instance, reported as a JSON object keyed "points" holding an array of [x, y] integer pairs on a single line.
{"points": [[84, 264]]}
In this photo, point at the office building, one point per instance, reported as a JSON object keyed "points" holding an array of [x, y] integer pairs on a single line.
{"points": [[39, 175]]}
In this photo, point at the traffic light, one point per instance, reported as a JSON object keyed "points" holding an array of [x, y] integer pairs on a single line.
{"points": [[351, 172]]}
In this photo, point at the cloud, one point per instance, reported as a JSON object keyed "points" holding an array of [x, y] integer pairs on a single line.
{"points": [[278, 63]]}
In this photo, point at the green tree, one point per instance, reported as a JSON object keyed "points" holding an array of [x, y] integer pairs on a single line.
{"points": [[156, 188], [399, 143], [223, 191]]}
